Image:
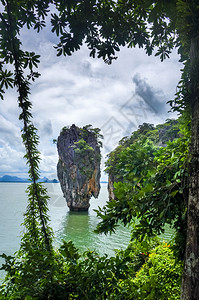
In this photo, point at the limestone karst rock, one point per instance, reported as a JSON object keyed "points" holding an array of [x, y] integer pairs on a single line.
{"points": [[78, 168], [111, 180]]}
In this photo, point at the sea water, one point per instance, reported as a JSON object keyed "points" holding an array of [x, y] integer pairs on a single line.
{"points": [[76, 226]]}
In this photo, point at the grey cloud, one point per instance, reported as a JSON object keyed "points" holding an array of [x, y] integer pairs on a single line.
{"points": [[152, 97], [45, 128], [10, 134]]}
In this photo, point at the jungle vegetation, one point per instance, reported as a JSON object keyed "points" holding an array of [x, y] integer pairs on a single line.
{"points": [[37, 271]]}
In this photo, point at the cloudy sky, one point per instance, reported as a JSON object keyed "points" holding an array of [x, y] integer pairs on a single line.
{"points": [[81, 90]]}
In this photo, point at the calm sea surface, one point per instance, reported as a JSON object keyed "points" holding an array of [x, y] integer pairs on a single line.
{"points": [[66, 225]]}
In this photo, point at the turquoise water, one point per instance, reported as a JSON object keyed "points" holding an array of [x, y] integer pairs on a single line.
{"points": [[79, 227], [66, 225]]}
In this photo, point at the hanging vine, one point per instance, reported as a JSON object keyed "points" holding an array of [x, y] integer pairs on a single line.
{"points": [[38, 232]]}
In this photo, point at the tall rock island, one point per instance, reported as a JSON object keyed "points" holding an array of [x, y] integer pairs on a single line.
{"points": [[78, 168]]}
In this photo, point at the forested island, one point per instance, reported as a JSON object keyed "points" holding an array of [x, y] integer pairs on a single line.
{"points": [[8, 178], [147, 134]]}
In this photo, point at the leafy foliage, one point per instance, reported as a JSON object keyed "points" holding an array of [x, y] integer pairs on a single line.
{"points": [[151, 185], [81, 147], [89, 276], [159, 277], [37, 239], [105, 26]]}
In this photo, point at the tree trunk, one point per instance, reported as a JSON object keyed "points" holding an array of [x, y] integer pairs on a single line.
{"points": [[190, 279]]}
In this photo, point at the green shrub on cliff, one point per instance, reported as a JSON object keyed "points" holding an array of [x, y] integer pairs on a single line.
{"points": [[160, 277]]}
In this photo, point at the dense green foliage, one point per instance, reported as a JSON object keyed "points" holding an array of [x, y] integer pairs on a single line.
{"points": [[36, 241], [159, 277], [81, 147], [150, 182], [145, 133], [142, 269]]}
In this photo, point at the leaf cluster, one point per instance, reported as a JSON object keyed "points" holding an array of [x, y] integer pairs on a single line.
{"points": [[129, 274], [37, 237], [150, 185], [105, 26], [159, 277], [13, 18]]}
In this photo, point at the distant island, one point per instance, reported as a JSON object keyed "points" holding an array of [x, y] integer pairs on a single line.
{"points": [[8, 178]]}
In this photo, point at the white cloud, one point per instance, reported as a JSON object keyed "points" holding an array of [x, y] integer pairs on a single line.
{"points": [[82, 90], [10, 134], [11, 160]]}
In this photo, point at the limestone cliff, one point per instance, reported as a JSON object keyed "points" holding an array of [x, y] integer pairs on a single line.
{"points": [[111, 181], [78, 168]]}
